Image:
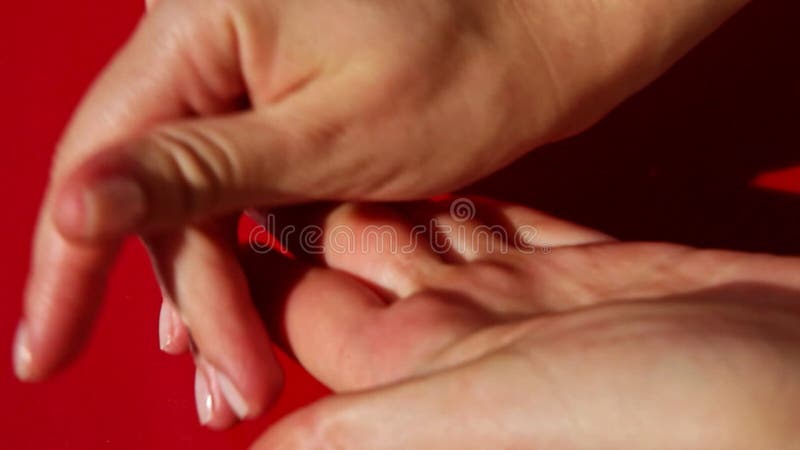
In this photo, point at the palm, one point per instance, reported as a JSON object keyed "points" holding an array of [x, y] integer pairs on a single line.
{"points": [[594, 331]]}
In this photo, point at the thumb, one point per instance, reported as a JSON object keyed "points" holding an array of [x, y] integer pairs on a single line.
{"points": [[180, 174]]}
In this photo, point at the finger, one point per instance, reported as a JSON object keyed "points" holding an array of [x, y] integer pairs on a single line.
{"points": [[174, 170], [212, 408], [546, 230], [296, 301], [182, 173], [326, 318], [645, 271], [203, 277], [179, 62], [372, 242], [466, 229], [62, 295], [173, 337], [459, 233]]}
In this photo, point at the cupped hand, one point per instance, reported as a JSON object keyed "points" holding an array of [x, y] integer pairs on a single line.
{"points": [[215, 106], [566, 339]]}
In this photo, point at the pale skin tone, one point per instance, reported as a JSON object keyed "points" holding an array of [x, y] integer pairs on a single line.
{"points": [[346, 100], [592, 344]]}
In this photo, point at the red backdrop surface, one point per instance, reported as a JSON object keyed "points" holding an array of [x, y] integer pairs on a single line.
{"points": [[709, 155]]}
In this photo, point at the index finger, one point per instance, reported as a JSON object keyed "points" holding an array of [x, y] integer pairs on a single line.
{"points": [[180, 61]]}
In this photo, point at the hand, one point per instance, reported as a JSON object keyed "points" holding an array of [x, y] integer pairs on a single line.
{"points": [[216, 106], [596, 344]]}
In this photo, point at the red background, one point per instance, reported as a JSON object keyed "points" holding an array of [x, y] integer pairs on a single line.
{"points": [[709, 155]]}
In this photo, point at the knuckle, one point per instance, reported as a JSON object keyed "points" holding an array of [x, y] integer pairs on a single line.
{"points": [[196, 161]]}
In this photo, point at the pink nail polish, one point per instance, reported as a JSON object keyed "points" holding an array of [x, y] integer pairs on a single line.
{"points": [[204, 402]]}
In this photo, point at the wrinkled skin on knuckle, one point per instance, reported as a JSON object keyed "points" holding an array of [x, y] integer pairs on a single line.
{"points": [[186, 165]]}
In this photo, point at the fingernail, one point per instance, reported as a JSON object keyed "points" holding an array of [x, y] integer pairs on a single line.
{"points": [[110, 207], [166, 326], [204, 402], [235, 399], [22, 353]]}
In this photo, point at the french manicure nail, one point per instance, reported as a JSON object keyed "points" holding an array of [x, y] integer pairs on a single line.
{"points": [[112, 206], [204, 402], [235, 399], [22, 352]]}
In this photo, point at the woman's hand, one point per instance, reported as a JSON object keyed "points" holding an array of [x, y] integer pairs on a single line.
{"points": [[478, 344], [217, 105]]}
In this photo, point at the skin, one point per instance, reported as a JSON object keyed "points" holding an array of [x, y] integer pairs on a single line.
{"points": [[594, 344], [209, 110]]}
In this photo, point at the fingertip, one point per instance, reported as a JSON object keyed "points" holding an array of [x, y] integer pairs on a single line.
{"points": [[213, 410], [62, 294], [250, 393], [173, 337], [32, 362], [204, 401], [100, 207], [22, 356], [165, 327], [235, 400]]}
